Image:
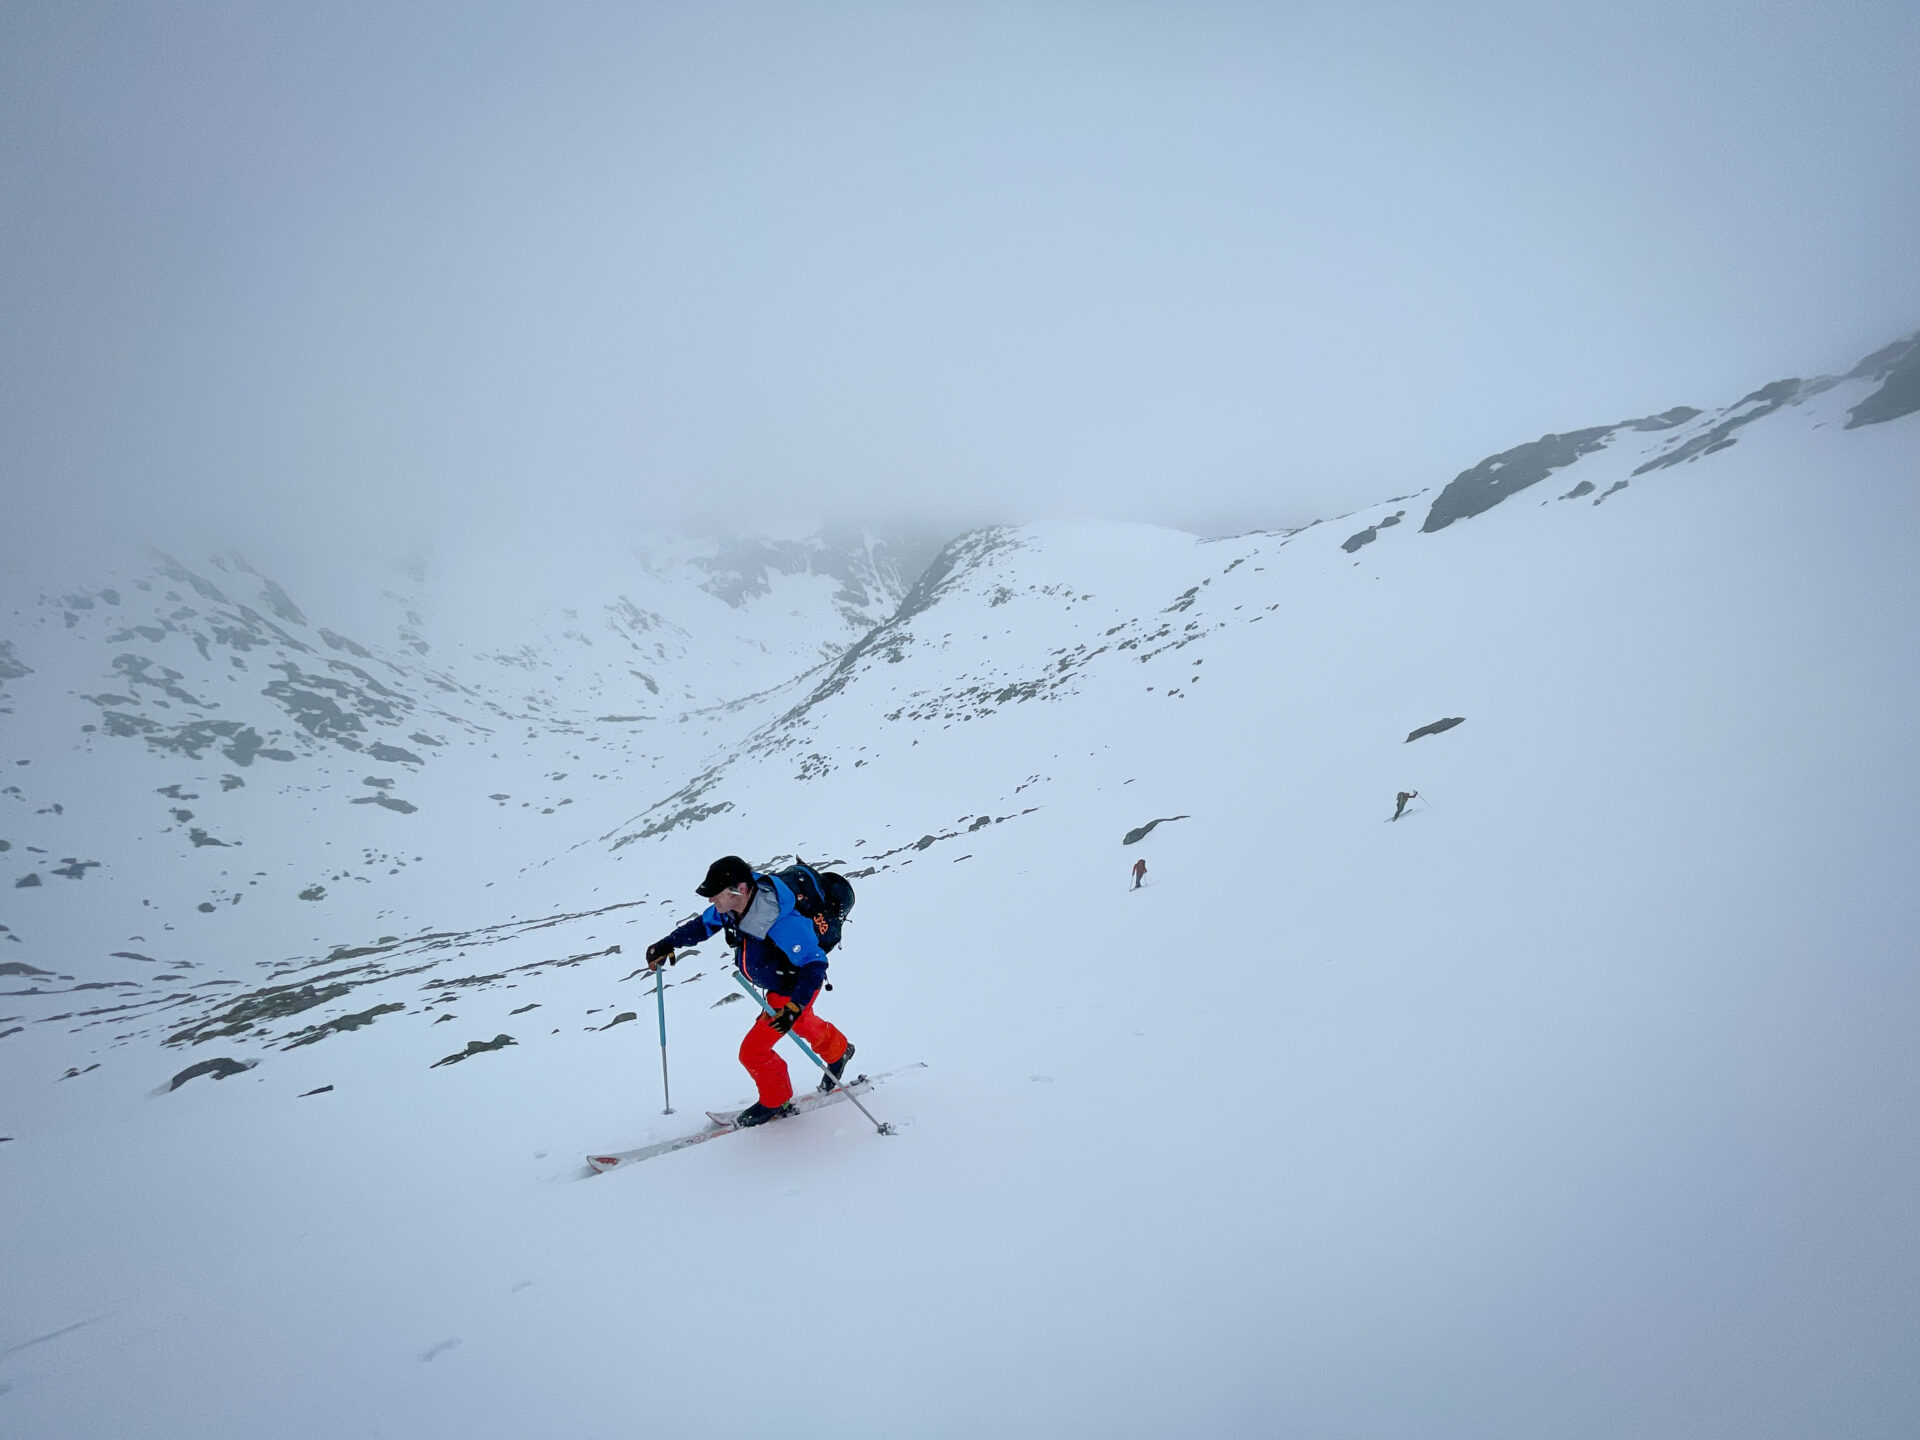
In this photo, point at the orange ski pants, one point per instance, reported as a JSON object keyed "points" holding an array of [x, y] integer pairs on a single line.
{"points": [[769, 1071]]}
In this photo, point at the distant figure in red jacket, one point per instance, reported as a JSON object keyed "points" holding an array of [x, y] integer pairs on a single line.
{"points": [[1400, 801], [1139, 872]]}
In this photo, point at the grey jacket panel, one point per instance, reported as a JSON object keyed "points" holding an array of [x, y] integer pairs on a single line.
{"points": [[761, 911]]}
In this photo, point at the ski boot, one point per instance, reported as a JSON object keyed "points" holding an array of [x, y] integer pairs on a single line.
{"points": [[838, 1068], [758, 1114]]}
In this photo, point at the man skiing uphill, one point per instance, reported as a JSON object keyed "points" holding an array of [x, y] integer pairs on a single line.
{"points": [[779, 950]]}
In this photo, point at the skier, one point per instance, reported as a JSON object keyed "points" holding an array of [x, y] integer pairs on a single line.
{"points": [[1400, 801], [778, 949], [1139, 871]]}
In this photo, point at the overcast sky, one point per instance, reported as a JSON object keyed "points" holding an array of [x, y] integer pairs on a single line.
{"points": [[377, 270]]}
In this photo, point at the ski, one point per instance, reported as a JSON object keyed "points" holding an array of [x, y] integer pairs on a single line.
{"points": [[721, 1122], [730, 1119]]}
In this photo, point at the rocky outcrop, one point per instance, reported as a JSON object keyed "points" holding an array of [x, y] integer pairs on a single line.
{"points": [[219, 1068], [1435, 728], [1898, 369]]}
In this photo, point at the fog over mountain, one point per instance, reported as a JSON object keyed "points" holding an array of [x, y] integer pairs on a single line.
{"points": [[323, 278]]}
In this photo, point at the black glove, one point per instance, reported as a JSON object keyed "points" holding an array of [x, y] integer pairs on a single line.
{"points": [[660, 953], [784, 1015]]}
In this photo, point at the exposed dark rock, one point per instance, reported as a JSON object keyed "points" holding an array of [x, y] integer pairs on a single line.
{"points": [[320, 1090], [74, 869], [688, 815], [174, 570], [1899, 392], [1435, 728], [1666, 420], [271, 1002], [1365, 537], [243, 742], [393, 754], [346, 952], [1134, 837], [889, 640], [1585, 487], [278, 602], [137, 671], [314, 892], [622, 1018], [340, 642], [1475, 491], [1764, 401], [316, 713], [26, 882], [338, 1025], [475, 1047], [1612, 489], [387, 802], [15, 967], [219, 1068]]}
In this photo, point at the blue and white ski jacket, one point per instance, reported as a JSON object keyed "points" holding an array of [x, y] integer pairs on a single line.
{"points": [[779, 949]]}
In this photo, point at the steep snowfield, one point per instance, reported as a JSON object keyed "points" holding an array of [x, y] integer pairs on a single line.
{"points": [[1576, 1103]]}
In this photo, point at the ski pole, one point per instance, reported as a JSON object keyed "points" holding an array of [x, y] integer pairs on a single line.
{"points": [[767, 1010], [660, 1000]]}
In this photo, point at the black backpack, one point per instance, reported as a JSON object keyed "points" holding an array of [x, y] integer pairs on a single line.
{"points": [[819, 894]]}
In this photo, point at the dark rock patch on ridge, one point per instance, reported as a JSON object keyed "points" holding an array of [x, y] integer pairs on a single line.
{"points": [[476, 1047], [1435, 728], [1764, 401], [219, 1068], [1134, 837], [1898, 367], [1473, 492]]}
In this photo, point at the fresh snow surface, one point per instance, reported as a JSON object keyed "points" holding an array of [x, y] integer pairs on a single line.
{"points": [[1578, 1103]]}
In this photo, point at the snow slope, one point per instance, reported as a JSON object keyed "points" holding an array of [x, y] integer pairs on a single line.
{"points": [[1576, 1103]]}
